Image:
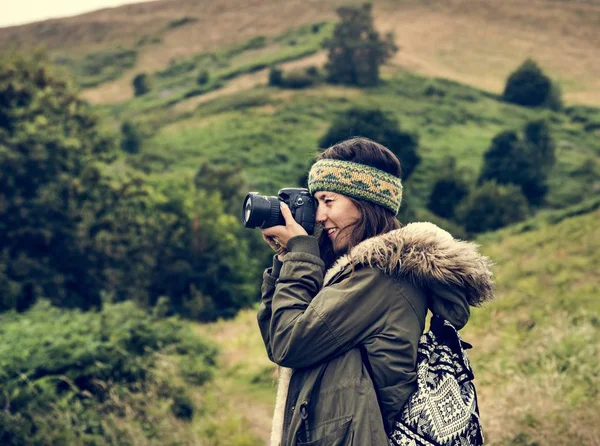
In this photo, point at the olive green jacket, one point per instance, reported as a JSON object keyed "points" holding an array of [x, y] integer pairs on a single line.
{"points": [[314, 322]]}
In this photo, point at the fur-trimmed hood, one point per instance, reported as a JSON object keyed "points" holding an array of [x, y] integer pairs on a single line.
{"points": [[455, 274]]}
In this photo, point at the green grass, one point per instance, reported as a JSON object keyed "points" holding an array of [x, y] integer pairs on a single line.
{"points": [[537, 345]]}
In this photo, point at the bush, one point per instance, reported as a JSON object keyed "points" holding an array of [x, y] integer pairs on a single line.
{"points": [[203, 78], [448, 191], [131, 138], [355, 51], [298, 79], [525, 161], [65, 373], [141, 84], [275, 76], [380, 127], [529, 86], [493, 206]]}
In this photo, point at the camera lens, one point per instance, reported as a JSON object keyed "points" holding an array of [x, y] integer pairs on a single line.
{"points": [[259, 211]]}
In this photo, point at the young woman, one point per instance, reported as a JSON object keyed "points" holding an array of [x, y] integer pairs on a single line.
{"points": [[357, 294]]}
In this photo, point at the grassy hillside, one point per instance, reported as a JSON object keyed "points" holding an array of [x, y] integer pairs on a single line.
{"points": [[272, 133], [535, 347], [469, 41]]}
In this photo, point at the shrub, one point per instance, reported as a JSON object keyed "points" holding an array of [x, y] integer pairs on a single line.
{"points": [[356, 51], [529, 86], [275, 76], [203, 78], [65, 372], [141, 84], [448, 191], [297, 79], [131, 138], [493, 206], [380, 127], [525, 161]]}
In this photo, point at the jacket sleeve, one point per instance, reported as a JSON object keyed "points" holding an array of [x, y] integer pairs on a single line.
{"points": [[309, 324], [270, 276]]}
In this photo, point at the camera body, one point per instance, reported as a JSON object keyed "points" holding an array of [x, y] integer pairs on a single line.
{"points": [[261, 211]]}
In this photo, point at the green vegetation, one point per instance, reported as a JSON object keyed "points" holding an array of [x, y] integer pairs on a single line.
{"points": [[141, 84], [83, 224], [77, 223], [355, 50], [529, 86], [99, 67], [526, 162], [69, 377]]}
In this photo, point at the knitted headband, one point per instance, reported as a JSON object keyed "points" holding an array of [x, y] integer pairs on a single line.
{"points": [[356, 180]]}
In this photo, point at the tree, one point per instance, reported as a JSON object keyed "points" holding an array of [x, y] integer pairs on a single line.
{"points": [[448, 191], [493, 206], [51, 153], [203, 77], [529, 86], [131, 138], [356, 51], [526, 161], [380, 127], [141, 84]]}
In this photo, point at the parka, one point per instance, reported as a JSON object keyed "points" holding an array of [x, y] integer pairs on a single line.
{"points": [[322, 326]]}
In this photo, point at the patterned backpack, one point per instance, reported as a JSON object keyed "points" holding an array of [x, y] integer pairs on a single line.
{"points": [[443, 411]]}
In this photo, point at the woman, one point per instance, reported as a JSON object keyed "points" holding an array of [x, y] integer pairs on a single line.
{"points": [[346, 333]]}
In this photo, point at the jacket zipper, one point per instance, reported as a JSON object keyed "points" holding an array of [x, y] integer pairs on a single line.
{"points": [[304, 416]]}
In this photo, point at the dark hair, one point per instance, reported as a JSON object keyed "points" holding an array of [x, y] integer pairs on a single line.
{"points": [[375, 219]]}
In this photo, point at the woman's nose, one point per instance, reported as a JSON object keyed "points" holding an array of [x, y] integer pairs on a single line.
{"points": [[320, 216]]}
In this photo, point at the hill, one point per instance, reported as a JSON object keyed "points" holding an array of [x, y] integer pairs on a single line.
{"points": [[535, 347], [473, 42]]}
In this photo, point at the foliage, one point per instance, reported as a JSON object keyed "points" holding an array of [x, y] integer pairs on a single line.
{"points": [[526, 162], [275, 76], [529, 86], [380, 127], [141, 84], [356, 51], [492, 206], [131, 138], [448, 191], [203, 77], [73, 227], [50, 156], [102, 66], [293, 79], [67, 375]]}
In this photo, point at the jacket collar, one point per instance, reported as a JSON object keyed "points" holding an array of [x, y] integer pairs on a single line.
{"points": [[426, 255]]}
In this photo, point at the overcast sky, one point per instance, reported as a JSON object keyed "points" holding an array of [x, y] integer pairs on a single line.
{"points": [[17, 12]]}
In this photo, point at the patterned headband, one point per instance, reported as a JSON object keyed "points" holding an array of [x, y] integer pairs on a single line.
{"points": [[356, 180]]}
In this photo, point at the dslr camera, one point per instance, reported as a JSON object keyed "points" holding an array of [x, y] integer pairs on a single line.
{"points": [[261, 211]]}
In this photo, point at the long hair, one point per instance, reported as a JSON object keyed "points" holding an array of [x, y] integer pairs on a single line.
{"points": [[374, 219]]}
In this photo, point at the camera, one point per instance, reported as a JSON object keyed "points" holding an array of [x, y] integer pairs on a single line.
{"points": [[261, 211]]}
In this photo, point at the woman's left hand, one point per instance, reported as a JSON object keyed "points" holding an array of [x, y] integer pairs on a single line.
{"points": [[281, 233]]}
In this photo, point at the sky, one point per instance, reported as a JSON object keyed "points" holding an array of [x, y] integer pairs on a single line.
{"points": [[18, 12]]}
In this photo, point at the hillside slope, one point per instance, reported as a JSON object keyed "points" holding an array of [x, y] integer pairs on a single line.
{"points": [[535, 347], [469, 41]]}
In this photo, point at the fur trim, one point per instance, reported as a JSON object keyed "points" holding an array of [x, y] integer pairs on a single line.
{"points": [[425, 254]]}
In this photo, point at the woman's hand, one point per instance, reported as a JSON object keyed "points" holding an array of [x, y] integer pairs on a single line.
{"points": [[278, 236]]}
